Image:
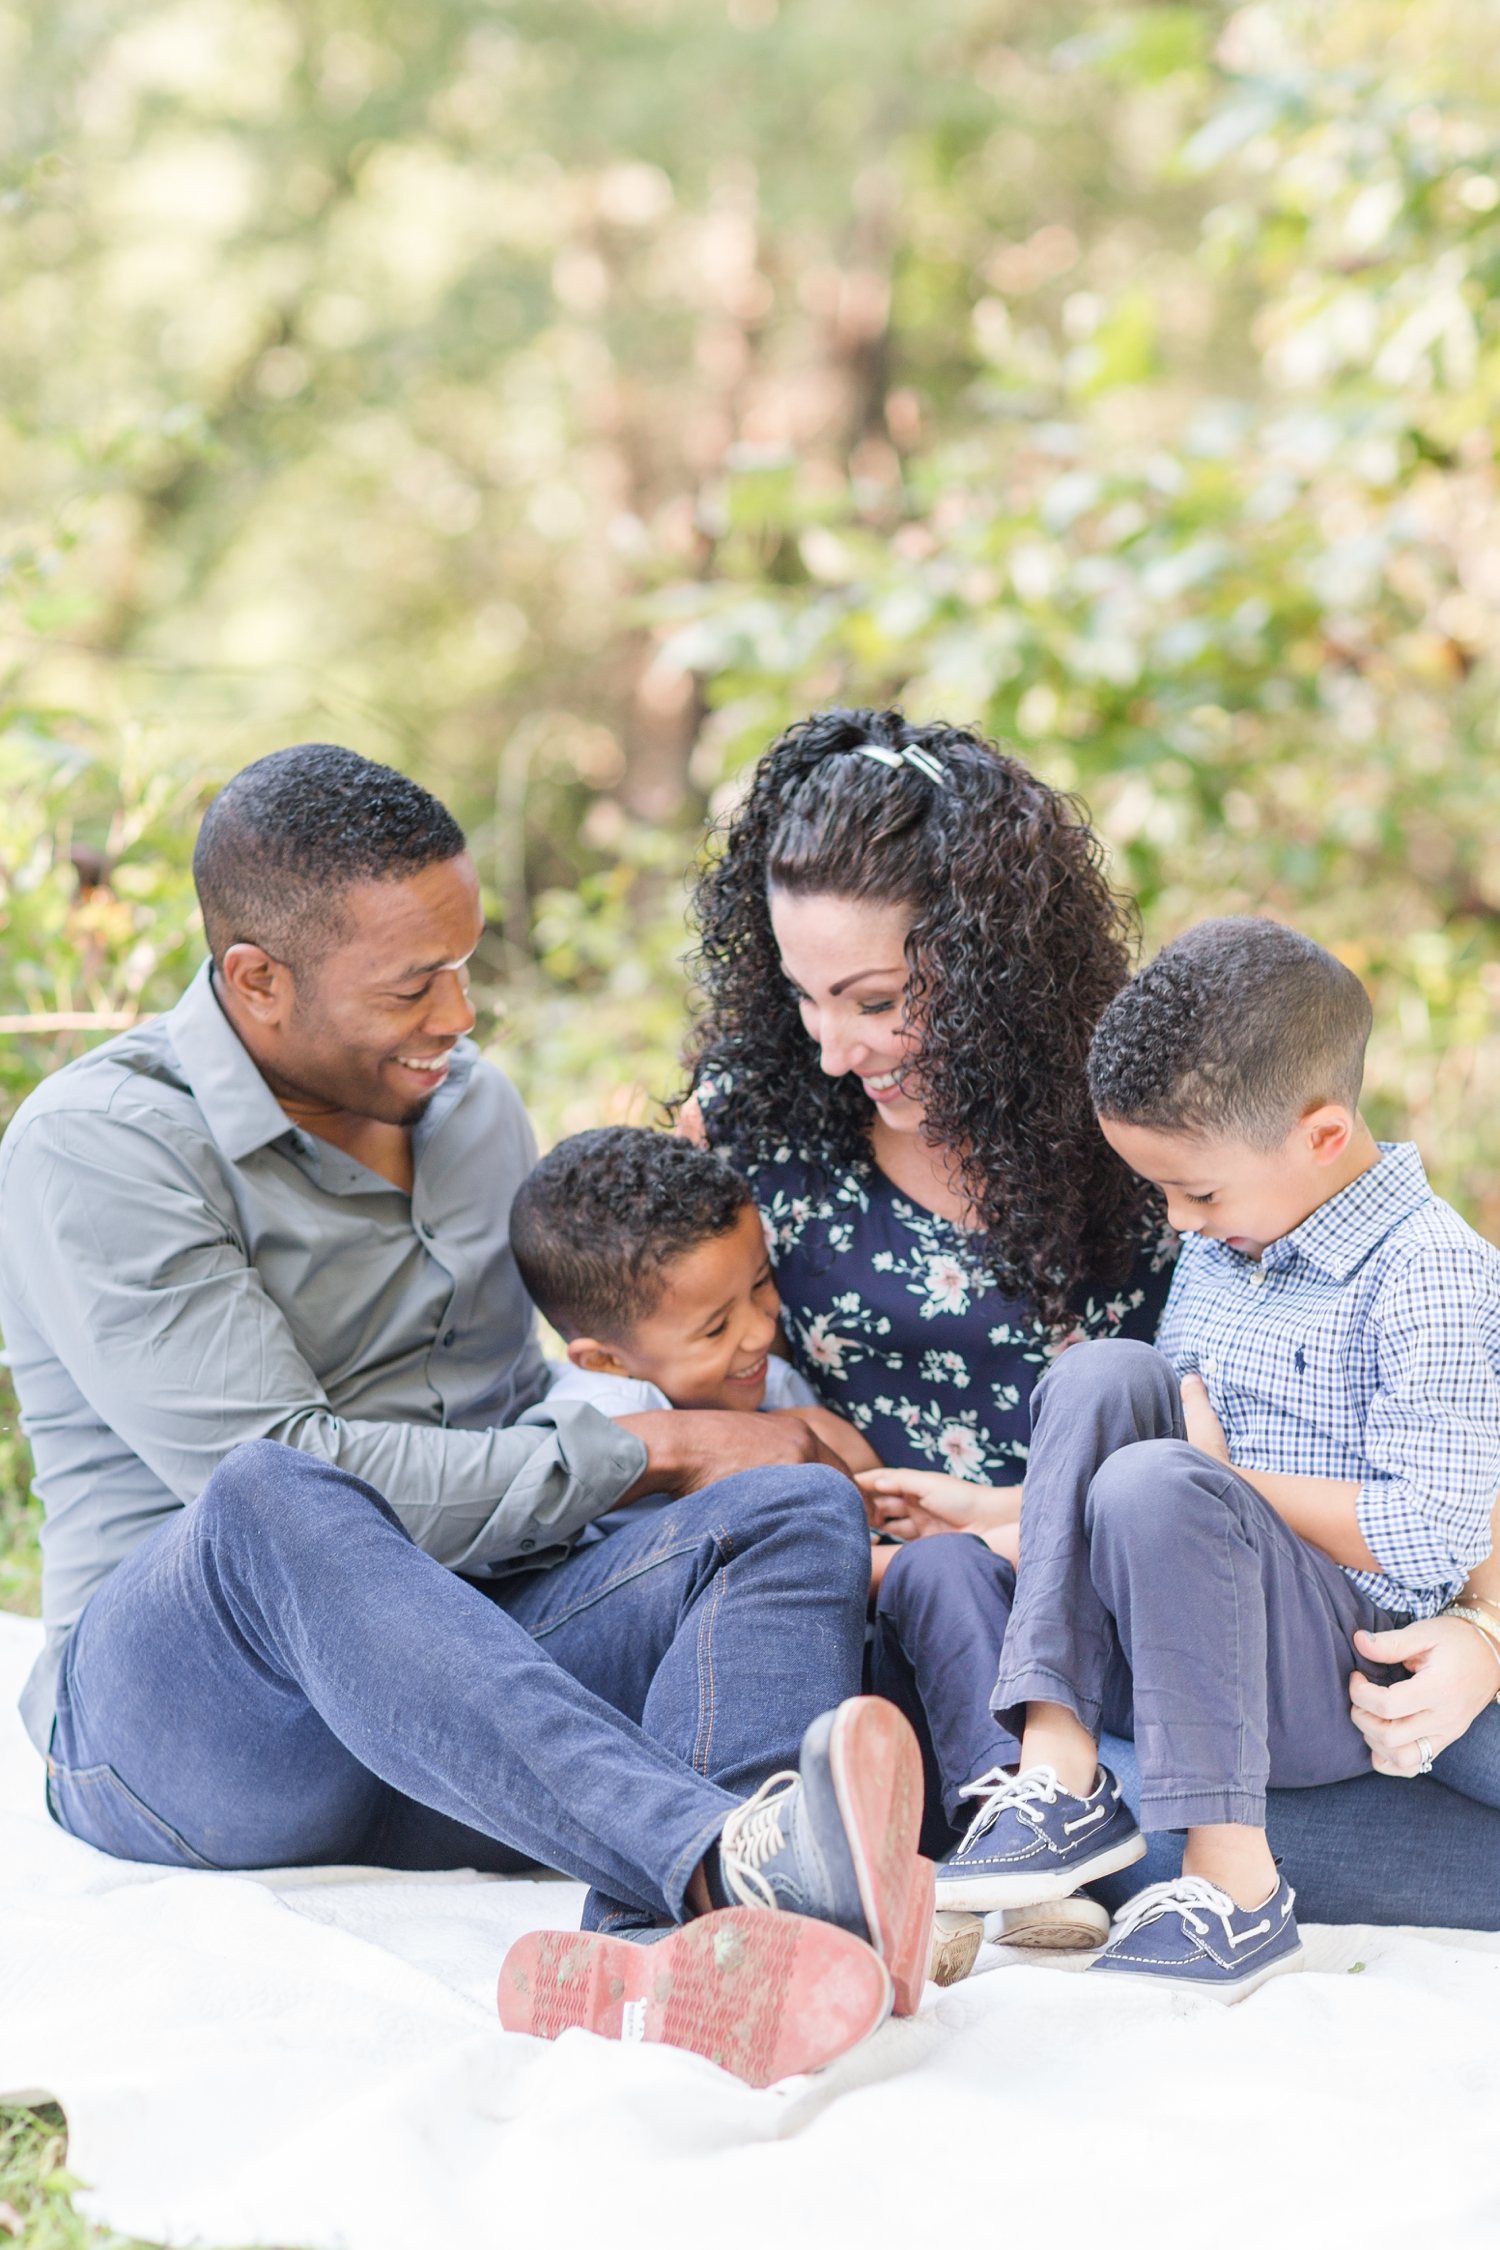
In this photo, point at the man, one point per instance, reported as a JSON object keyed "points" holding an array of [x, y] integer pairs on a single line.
{"points": [[317, 1586]]}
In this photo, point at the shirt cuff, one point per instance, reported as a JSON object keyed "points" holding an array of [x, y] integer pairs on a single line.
{"points": [[1410, 1553]]}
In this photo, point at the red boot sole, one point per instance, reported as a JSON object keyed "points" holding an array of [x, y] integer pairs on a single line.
{"points": [[763, 1995], [877, 1778], [909, 1966]]}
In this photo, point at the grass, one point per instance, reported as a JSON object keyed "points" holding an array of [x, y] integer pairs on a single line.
{"points": [[36, 2187]]}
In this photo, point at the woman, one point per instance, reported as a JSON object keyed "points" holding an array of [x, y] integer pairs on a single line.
{"points": [[907, 941]]}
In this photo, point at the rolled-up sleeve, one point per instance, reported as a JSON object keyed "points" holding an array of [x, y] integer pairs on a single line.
{"points": [[1432, 1435], [124, 1255]]}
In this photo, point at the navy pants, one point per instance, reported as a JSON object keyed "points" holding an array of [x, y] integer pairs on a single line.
{"points": [[1145, 1567], [278, 1676]]}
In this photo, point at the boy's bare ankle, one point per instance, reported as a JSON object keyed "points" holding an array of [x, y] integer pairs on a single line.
{"points": [[1236, 1858], [1055, 1738]]}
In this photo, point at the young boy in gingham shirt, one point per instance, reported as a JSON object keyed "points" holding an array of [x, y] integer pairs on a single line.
{"points": [[1334, 1333]]}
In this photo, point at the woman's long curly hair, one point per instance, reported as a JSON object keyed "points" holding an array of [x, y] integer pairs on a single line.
{"points": [[1017, 946]]}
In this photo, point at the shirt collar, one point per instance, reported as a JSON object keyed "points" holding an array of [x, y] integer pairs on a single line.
{"points": [[1342, 1232], [238, 1106]]}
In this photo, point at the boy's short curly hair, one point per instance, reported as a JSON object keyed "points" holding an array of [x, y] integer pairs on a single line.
{"points": [[598, 1221], [1236, 1029]]}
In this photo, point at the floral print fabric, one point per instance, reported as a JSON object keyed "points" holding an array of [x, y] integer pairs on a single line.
{"points": [[897, 1327]]}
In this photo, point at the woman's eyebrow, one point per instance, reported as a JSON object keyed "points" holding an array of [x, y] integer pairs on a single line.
{"points": [[860, 974]]}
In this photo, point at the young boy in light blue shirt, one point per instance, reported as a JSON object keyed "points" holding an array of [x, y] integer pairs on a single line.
{"points": [[1336, 1330]]}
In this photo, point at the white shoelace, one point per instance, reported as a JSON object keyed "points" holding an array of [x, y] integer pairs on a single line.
{"points": [[999, 1791], [751, 1835], [1186, 1897]]}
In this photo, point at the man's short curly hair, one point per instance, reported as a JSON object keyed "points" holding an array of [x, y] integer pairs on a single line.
{"points": [[289, 835], [1236, 1029], [598, 1222]]}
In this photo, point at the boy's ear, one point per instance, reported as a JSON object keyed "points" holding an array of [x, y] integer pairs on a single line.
{"points": [[1326, 1132], [595, 1358]]}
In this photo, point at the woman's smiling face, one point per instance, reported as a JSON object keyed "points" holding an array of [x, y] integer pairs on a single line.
{"points": [[845, 959]]}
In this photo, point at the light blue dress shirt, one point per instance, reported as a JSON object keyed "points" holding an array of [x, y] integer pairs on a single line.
{"points": [[183, 1269], [1364, 1346]]}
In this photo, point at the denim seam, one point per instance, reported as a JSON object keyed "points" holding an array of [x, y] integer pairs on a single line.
{"points": [[682, 1869], [707, 1700], [649, 1562], [98, 1780]]}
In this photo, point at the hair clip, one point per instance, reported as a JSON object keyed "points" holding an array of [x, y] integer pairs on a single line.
{"points": [[921, 761]]}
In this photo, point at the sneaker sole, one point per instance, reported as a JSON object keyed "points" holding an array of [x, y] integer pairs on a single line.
{"points": [[956, 1939], [983, 1894], [876, 1769], [1225, 1994], [765, 1996], [1068, 1925]]}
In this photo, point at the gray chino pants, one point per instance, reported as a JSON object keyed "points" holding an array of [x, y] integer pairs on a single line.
{"points": [[1154, 1579]]}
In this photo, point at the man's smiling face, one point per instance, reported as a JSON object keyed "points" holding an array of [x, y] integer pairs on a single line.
{"points": [[369, 1027]]}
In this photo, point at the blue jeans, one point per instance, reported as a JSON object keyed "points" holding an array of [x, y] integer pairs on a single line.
{"points": [[278, 1676]]}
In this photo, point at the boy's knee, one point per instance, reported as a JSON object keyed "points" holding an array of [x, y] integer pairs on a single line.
{"points": [[1143, 1491], [1116, 1364], [928, 1571]]}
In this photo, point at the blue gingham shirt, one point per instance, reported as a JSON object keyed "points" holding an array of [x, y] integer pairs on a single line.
{"points": [[1365, 1346]]}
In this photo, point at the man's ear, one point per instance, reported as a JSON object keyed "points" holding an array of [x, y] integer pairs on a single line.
{"points": [[263, 986], [1326, 1132], [595, 1358]]}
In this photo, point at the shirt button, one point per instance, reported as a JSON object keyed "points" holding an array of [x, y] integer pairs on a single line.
{"points": [[426, 1229], [1210, 1367], [1257, 1278], [450, 1336]]}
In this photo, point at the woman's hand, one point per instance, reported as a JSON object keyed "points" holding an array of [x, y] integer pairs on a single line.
{"points": [[915, 1503], [690, 1125], [1457, 1672]]}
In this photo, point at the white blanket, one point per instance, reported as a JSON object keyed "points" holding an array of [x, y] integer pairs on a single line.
{"points": [[314, 2059]]}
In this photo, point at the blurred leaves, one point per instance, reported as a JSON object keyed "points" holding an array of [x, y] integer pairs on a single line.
{"points": [[556, 399]]}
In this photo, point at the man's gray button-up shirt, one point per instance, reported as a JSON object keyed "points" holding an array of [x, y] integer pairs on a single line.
{"points": [[183, 1269]]}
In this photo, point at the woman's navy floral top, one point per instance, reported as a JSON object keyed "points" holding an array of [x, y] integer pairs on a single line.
{"points": [[897, 1327]]}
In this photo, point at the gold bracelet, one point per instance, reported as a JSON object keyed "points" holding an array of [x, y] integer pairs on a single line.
{"points": [[1488, 1633]]}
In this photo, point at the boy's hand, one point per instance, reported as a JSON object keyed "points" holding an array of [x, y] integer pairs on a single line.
{"points": [[1456, 1673], [915, 1503], [854, 1451], [1204, 1429]]}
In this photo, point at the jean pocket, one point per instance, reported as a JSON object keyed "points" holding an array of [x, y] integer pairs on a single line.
{"points": [[95, 1805]]}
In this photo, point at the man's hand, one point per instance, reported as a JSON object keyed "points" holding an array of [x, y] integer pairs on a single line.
{"points": [[1456, 1673], [687, 1450], [854, 1452], [915, 1503]]}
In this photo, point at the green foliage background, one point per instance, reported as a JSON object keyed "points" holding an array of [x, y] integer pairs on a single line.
{"points": [[555, 396]]}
